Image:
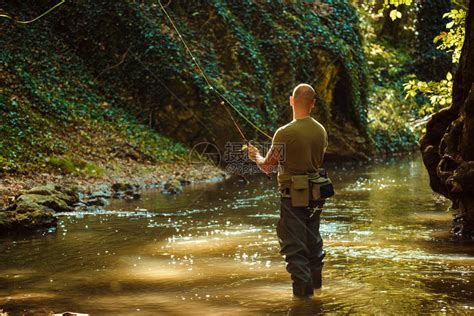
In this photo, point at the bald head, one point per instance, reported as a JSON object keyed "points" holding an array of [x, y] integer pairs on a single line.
{"points": [[304, 95]]}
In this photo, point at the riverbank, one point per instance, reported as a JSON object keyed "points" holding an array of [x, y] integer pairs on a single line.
{"points": [[141, 175], [30, 201]]}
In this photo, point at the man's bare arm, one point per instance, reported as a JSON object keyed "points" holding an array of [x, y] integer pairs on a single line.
{"points": [[325, 148], [268, 163]]}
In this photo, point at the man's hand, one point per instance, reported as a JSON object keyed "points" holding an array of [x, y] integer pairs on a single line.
{"points": [[266, 164], [253, 153]]}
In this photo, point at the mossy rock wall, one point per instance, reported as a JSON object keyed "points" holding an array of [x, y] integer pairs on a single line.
{"points": [[254, 53]]}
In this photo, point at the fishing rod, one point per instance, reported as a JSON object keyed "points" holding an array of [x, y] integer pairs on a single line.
{"points": [[224, 99], [33, 20]]}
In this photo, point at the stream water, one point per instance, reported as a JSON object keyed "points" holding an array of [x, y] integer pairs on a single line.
{"points": [[213, 250]]}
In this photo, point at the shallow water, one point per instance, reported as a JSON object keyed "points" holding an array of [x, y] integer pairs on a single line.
{"points": [[213, 250]]}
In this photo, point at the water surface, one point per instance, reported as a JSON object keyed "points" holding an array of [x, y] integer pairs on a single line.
{"points": [[213, 250]]}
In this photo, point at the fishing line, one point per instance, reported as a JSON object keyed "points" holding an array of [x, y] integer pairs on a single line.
{"points": [[235, 123], [212, 88], [37, 18]]}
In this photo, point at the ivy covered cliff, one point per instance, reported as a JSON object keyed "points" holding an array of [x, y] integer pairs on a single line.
{"points": [[121, 66]]}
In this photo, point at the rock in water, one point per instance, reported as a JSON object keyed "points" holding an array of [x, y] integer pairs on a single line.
{"points": [[120, 187], [35, 208], [172, 186], [126, 191], [100, 201], [68, 195], [34, 201]]}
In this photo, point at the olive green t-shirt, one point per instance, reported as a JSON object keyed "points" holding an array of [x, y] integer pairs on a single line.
{"points": [[304, 142]]}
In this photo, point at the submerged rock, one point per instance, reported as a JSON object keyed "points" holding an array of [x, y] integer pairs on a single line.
{"points": [[35, 208], [100, 201], [79, 206], [172, 186]]}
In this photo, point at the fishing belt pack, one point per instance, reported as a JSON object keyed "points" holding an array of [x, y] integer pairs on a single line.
{"points": [[304, 188]]}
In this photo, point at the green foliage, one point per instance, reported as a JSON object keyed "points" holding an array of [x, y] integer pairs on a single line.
{"points": [[390, 121], [396, 3], [430, 63], [249, 71], [19, 133], [51, 105], [75, 166], [7, 166], [295, 35], [439, 93], [68, 91], [393, 5], [386, 63], [452, 41], [150, 143], [394, 122], [390, 116]]}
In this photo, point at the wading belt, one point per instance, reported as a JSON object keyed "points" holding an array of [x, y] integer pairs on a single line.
{"points": [[307, 187]]}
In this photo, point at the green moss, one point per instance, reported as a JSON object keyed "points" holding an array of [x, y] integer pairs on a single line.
{"points": [[64, 164], [75, 166]]}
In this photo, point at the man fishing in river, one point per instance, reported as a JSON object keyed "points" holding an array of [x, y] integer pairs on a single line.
{"points": [[304, 141]]}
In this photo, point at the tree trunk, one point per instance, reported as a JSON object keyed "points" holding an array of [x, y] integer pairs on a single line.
{"points": [[448, 148]]}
